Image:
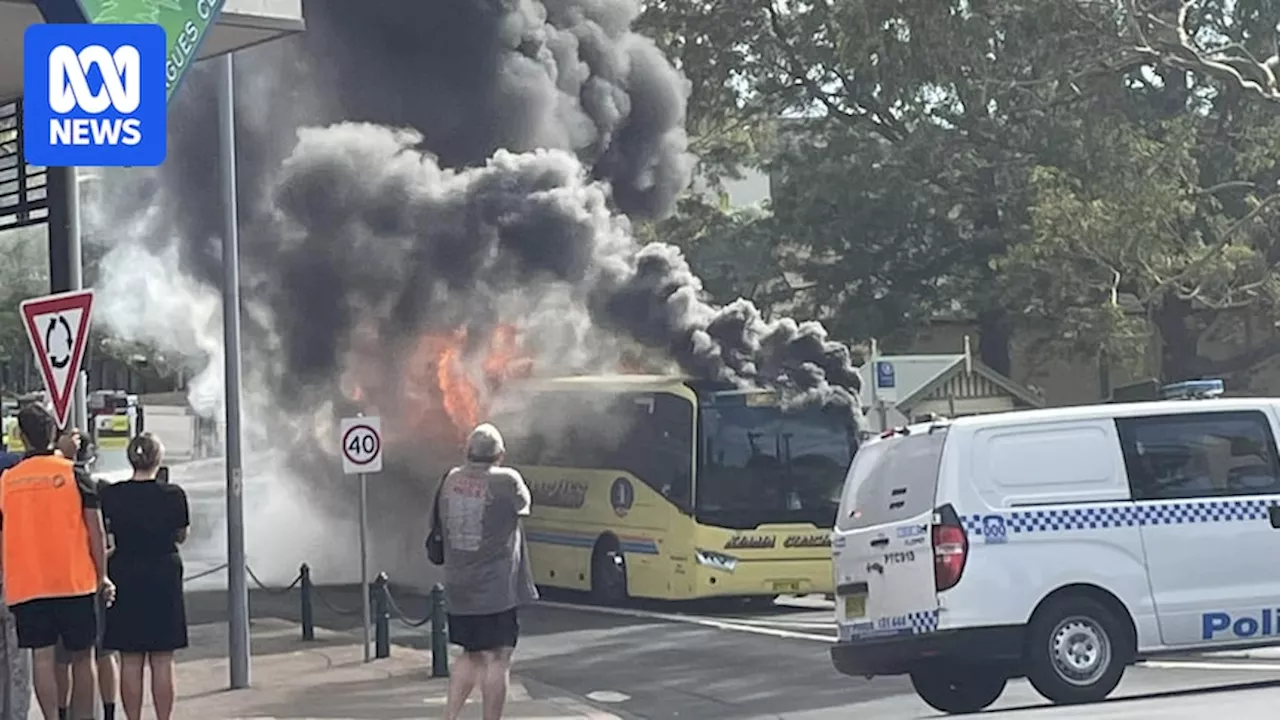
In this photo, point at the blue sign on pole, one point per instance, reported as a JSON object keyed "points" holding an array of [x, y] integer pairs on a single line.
{"points": [[94, 95], [885, 377]]}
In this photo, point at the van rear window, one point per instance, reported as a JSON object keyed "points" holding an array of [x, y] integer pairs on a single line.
{"points": [[892, 480]]}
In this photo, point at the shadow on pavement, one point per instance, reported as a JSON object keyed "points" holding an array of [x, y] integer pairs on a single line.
{"points": [[669, 669]]}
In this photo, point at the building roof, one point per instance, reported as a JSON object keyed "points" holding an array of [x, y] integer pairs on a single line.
{"points": [[918, 376]]}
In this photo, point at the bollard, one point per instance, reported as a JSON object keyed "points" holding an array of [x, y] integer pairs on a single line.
{"points": [[308, 617], [439, 634], [381, 618]]}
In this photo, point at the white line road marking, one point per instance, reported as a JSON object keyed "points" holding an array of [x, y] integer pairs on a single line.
{"points": [[794, 624], [716, 623], [1203, 665]]}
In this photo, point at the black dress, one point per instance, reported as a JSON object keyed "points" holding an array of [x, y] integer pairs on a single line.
{"points": [[148, 615]]}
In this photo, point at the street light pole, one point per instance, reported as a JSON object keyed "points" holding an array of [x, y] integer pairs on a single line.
{"points": [[237, 572]]}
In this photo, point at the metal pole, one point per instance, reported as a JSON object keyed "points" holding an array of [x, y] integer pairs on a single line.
{"points": [[75, 281], [237, 587], [364, 563]]}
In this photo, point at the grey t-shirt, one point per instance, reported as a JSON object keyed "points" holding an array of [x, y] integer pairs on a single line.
{"points": [[486, 560]]}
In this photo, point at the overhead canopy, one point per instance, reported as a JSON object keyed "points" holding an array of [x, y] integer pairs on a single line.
{"points": [[242, 23]]}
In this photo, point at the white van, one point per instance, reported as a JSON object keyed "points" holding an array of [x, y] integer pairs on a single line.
{"points": [[1059, 545]]}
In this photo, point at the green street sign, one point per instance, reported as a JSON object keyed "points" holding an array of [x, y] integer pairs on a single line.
{"points": [[185, 22]]}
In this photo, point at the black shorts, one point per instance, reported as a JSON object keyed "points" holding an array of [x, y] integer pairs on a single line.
{"points": [[64, 656], [42, 623], [476, 633]]}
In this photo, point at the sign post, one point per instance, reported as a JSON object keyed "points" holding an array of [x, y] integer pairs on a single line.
{"points": [[58, 328], [361, 442], [886, 382]]}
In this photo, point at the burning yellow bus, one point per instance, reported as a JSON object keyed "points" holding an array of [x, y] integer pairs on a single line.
{"points": [[648, 486]]}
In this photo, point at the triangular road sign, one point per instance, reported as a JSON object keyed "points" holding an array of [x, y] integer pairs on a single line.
{"points": [[58, 328]]}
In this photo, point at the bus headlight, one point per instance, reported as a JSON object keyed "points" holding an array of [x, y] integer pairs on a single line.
{"points": [[716, 560]]}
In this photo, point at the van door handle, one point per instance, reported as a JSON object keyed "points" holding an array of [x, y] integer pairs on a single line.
{"points": [[1274, 513], [881, 542]]}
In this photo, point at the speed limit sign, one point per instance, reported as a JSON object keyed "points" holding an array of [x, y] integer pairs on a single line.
{"points": [[360, 439], [361, 442]]}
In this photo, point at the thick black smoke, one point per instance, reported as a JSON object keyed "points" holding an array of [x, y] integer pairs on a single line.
{"points": [[375, 223], [533, 124]]}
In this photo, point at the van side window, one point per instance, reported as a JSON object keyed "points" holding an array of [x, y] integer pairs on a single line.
{"points": [[1218, 454]]}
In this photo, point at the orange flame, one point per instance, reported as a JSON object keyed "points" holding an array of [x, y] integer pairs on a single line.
{"points": [[460, 395], [445, 390]]}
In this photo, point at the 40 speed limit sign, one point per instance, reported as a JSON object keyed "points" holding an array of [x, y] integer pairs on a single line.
{"points": [[361, 443]]}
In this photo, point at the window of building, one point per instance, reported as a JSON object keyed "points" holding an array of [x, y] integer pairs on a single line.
{"points": [[1212, 454]]}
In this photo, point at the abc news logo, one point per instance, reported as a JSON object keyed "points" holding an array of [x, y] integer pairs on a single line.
{"points": [[106, 95], [70, 93]]}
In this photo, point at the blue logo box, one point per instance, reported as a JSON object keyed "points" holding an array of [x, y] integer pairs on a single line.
{"points": [[94, 95]]}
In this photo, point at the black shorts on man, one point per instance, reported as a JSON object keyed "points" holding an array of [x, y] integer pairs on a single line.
{"points": [[46, 622], [64, 656], [478, 633]]}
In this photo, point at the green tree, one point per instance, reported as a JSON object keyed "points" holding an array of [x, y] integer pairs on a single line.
{"points": [[1155, 232], [923, 123], [24, 273], [1089, 172]]}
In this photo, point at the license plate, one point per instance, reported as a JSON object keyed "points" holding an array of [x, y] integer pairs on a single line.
{"points": [[855, 606], [787, 586]]}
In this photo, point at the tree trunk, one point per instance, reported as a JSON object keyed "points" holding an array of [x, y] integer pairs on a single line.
{"points": [[994, 338], [995, 333], [1179, 351]]}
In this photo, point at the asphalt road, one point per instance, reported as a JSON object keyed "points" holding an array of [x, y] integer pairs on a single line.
{"points": [[721, 661], [714, 662]]}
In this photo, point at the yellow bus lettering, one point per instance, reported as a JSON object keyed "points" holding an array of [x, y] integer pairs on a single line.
{"points": [[756, 542], [561, 493], [807, 541]]}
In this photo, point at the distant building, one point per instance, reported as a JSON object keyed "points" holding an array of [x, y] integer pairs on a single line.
{"points": [[950, 385]]}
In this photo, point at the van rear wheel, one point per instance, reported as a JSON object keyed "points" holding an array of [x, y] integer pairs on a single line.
{"points": [[953, 688], [1077, 650]]}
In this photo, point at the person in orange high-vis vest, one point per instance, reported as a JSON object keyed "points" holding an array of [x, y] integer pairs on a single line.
{"points": [[54, 561]]}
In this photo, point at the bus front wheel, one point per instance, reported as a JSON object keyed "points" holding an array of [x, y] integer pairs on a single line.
{"points": [[608, 573]]}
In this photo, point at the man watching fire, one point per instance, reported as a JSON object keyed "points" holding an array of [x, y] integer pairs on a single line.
{"points": [[486, 569]]}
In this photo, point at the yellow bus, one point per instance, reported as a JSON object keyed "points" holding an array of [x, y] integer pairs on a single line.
{"points": [[666, 488]]}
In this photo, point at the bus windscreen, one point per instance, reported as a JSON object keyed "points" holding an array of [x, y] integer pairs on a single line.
{"points": [[766, 465]]}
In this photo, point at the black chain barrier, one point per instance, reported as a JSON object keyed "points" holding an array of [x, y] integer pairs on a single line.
{"points": [[273, 591], [206, 573], [383, 607], [401, 616]]}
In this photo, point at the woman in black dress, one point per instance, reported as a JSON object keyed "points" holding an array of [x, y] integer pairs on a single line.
{"points": [[148, 621]]}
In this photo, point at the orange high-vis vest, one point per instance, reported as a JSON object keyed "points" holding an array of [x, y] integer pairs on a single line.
{"points": [[46, 543]]}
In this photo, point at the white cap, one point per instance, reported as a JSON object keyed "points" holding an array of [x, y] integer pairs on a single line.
{"points": [[485, 443]]}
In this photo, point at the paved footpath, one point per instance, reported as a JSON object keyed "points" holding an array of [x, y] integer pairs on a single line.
{"points": [[327, 678]]}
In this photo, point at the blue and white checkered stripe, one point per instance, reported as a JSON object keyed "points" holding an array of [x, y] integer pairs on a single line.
{"points": [[1098, 517], [916, 623]]}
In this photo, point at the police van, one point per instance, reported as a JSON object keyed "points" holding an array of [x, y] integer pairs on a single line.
{"points": [[1060, 545]]}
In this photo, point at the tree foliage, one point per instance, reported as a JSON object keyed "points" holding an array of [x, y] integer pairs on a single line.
{"points": [[24, 273], [1093, 173]]}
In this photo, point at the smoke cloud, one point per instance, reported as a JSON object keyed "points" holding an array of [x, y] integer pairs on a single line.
{"points": [[411, 230], [375, 227], [410, 167]]}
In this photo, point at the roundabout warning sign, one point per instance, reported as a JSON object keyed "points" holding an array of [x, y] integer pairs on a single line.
{"points": [[361, 443]]}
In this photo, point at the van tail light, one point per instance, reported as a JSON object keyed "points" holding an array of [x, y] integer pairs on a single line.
{"points": [[950, 551]]}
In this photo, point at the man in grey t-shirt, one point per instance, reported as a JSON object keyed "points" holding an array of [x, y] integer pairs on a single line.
{"points": [[486, 569]]}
